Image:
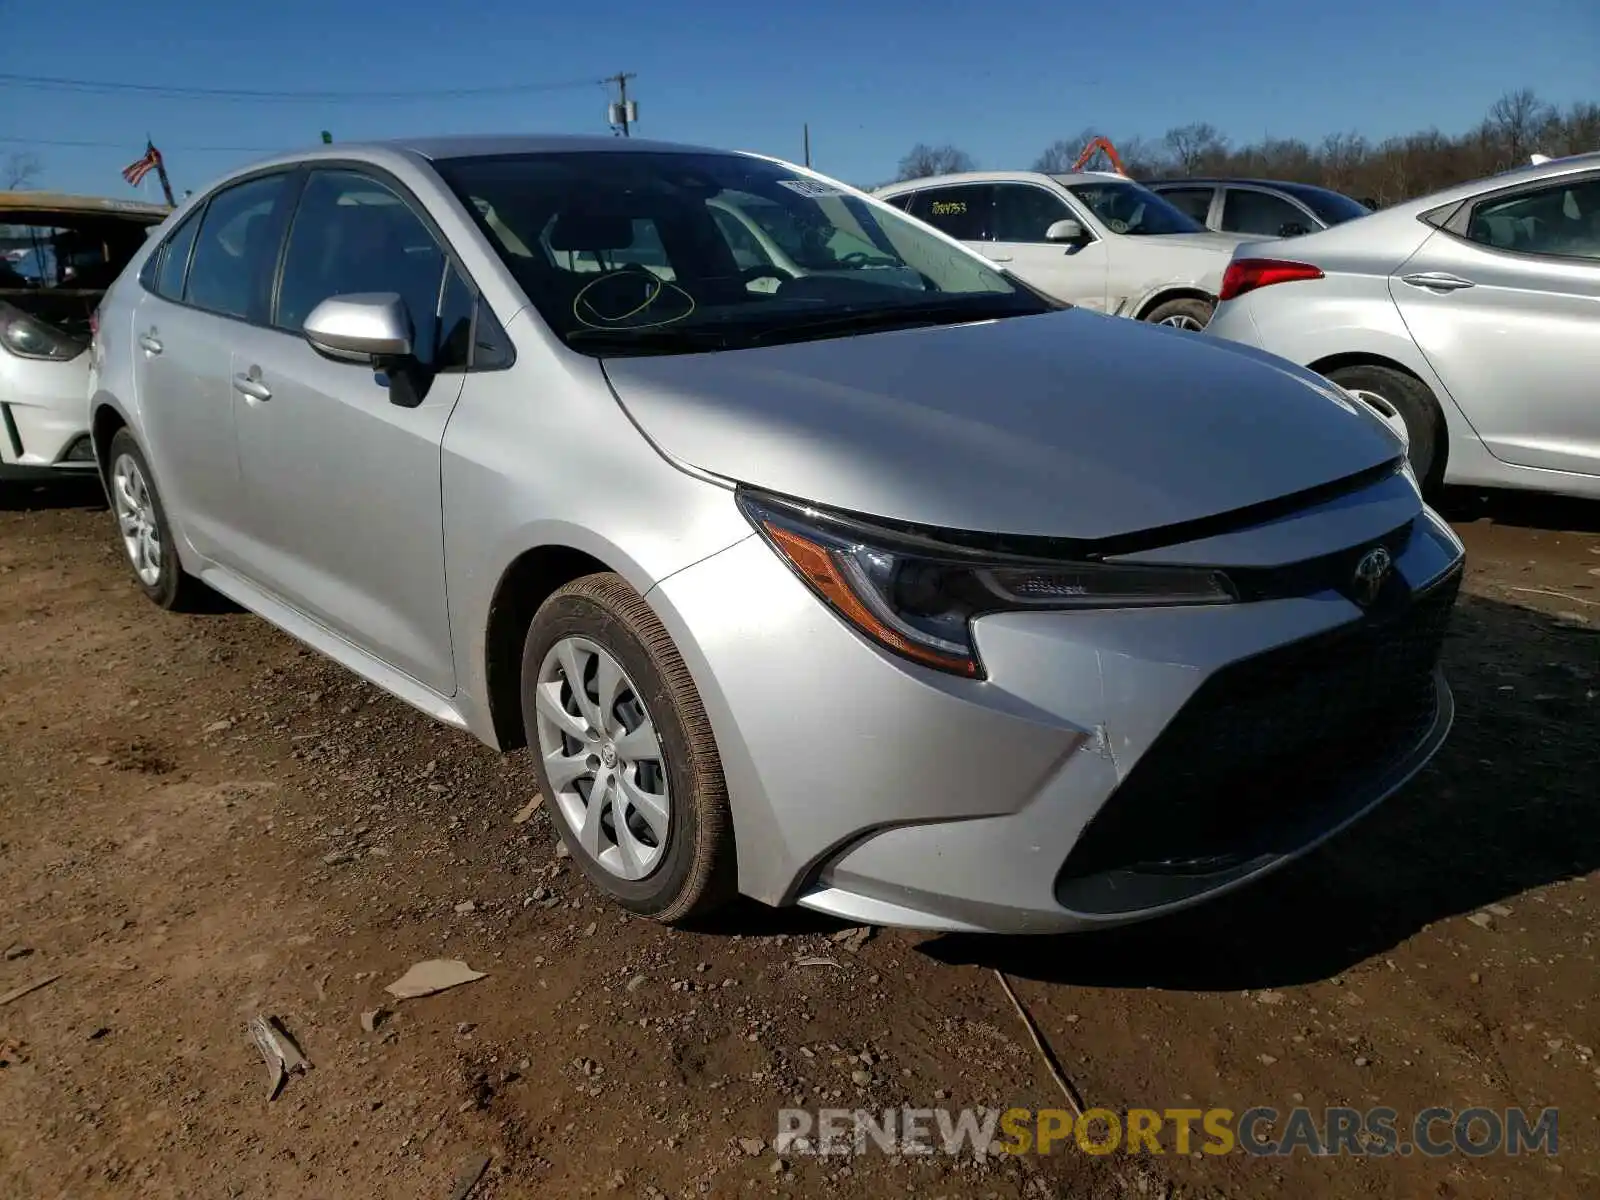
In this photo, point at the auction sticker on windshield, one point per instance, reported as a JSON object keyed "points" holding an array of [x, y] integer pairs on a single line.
{"points": [[811, 187]]}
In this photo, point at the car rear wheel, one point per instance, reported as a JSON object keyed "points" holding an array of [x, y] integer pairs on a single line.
{"points": [[143, 529], [624, 754], [1406, 404], [1188, 313]]}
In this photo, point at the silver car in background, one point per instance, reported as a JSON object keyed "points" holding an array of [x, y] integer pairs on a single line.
{"points": [[875, 582], [1469, 318]]}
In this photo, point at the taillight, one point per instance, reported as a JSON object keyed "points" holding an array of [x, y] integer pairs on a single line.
{"points": [[1247, 274]]}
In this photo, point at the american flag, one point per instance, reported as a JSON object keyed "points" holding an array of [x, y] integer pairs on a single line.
{"points": [[135, 171]]}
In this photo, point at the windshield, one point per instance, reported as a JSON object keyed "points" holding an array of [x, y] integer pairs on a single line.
{"points": [[656, 253], [1332, 207], [1127, 207]]}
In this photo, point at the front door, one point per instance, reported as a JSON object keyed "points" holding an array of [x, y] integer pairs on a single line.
{"points": [[1075, 272], [341, 484], [1508, 315]]}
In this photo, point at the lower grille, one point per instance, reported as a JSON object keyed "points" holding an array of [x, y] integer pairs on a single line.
{"points": [[1266, 743]]}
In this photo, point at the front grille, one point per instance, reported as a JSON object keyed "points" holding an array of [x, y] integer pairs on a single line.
{"points": [[1268, 742]]}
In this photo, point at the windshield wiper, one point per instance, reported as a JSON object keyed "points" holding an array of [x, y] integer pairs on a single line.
{"points": [[905, 317]]}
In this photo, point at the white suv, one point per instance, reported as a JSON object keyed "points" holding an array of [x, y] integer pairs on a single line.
{"points": [[1099, 241]]}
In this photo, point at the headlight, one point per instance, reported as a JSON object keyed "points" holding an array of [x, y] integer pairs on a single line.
{"points": [[918, 597], [28, 338]]}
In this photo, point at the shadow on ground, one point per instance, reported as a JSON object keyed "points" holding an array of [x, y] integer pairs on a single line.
{"points": [[1522, 510], [1508, 805], [17, 496]]}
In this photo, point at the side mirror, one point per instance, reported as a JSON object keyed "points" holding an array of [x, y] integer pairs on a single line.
{"points": [[1064, 230], [1291, 229], [363, 327]]}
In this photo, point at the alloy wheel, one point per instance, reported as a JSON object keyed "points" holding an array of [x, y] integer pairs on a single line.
{"points": [[602, 758], [1385, 410], [136, 519], [1181, 321]]}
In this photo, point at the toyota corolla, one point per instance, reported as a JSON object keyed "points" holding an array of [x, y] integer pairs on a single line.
{"points": [[869, 580]]}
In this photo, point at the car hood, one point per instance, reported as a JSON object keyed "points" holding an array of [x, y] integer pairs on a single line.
{"points": [[1069, 424]]}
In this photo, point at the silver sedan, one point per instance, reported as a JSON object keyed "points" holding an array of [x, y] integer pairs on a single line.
{"points": [[1470, 319], [868, 579]]}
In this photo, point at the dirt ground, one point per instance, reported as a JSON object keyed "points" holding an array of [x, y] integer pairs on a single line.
{"points": [[201, 821]]}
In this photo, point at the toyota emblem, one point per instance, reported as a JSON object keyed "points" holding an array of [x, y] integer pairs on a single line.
{"points": [[1370, 573]]}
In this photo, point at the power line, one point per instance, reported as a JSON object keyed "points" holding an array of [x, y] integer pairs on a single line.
{"points": [[175, 92], [127, 143]]}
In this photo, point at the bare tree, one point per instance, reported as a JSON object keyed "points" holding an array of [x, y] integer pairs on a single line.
{"points": [[924, 160], [1194, 146], [21, 168], [1517, 119]]}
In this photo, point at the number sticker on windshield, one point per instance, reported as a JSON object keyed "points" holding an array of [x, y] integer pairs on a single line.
{"points": [[811, 187]]}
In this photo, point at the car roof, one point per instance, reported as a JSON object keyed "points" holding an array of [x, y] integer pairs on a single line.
{"points": [[959, 177], [18, 207]]}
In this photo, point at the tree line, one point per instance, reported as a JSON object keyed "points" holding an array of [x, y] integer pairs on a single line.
{"points": [[1517, 125]]}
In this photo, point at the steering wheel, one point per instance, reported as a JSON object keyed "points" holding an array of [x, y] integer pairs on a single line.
{"points": [[861, 258]]}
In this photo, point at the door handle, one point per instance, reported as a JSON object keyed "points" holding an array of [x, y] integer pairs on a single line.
{"points": [[1437, 281], [150, 343], [251, 386]]}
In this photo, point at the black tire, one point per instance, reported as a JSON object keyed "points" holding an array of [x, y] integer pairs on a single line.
{"points": [[174, 588], [696, 870], [1415, 403], [1185, 309]]}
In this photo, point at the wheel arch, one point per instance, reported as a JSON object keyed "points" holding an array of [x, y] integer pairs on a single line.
{"points": [[1154, 301], [1328, 364], [104, 421]]}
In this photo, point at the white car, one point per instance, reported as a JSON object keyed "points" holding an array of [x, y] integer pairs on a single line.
{"points": [[60, 253], [1099, 241], [1468, 319]]}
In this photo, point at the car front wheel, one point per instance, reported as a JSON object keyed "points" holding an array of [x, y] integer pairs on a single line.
{"points": [[624, 753]]}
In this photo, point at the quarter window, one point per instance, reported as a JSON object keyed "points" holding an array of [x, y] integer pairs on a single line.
{"points": [[236, 248], [1022, 213], [1245, 211], [1561, 221], [175, 259], [961, 212], [352, 234]]}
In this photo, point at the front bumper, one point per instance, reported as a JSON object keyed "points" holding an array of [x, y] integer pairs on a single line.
{"points": [[44, 417], [1114, 766]]}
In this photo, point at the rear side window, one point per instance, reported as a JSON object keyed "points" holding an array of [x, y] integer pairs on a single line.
{"points": [[1562, 221], [962, 212], [175, 259], [236, 248], [1246, 211], [1192, 201], [353, 234]]}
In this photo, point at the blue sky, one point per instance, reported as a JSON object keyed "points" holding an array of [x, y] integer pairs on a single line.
{"points": [[1001, 80]]}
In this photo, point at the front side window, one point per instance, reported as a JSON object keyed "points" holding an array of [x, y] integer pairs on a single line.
{"points": [[1245, 210], [1193, 202], [236, 248], [353, 234], [1562, 220], [963, 212], [1023, 212], [1131, 208], [667, 252]]}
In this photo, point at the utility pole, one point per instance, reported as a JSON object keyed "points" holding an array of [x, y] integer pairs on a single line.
{"points": [[624, 112], [808, 143]]}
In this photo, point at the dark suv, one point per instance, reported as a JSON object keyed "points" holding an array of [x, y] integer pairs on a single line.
{"points": [[1266, 207]]}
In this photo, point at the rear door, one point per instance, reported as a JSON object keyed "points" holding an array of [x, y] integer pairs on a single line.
{"points": [[1505, 304], [962, 211], [1191, 199], [1263, 213], [1073, 272], [341, 484], [206, 278]]}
